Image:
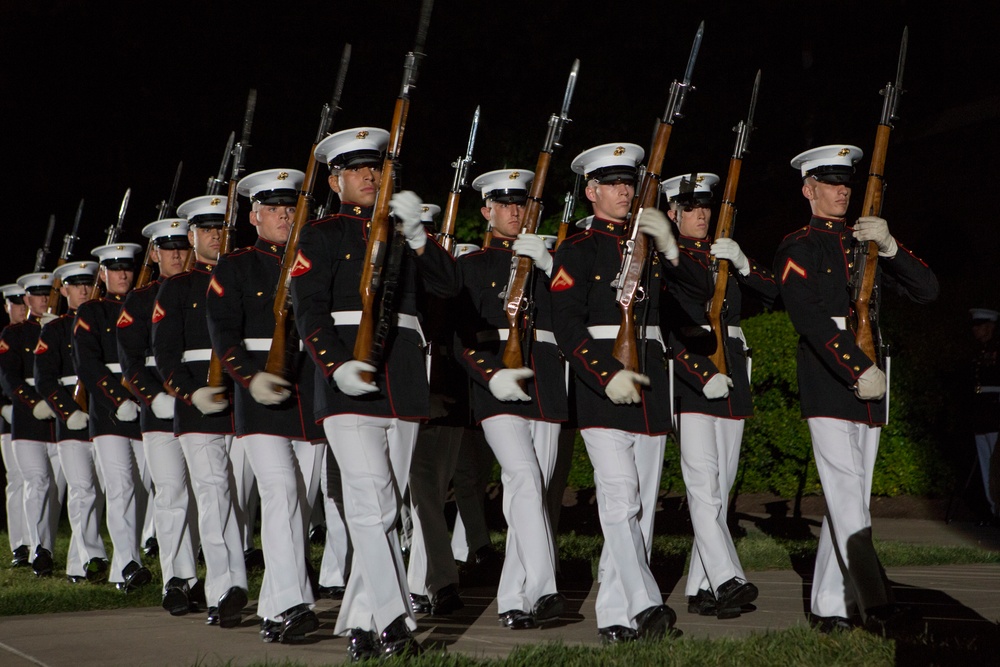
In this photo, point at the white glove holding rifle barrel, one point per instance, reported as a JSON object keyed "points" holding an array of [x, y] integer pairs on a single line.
{"points": [[206, 399], [654, 224], [621, 389], [504, 384], [533, 246], [348, 378], [871, 385], [874, 228], [729, 249], [406, 207]]}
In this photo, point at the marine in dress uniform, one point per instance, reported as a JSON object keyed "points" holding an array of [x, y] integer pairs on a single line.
{"points": [[986, 401], [842, 392], [32, 425], [712, 405], [623, 428], [521, 425], [273, 415], [13, 304], [371, 426], [55, 377], [173, 509], [113, 414], [203, 418]]}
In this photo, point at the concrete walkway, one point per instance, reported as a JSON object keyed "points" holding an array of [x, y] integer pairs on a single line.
{"points": [[960, 603]]}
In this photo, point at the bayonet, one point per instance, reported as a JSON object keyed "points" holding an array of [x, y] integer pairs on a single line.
{"points": [[743, 129], [43, 253], [679, 91], [70, 239], [166, 207], [413, 58], [892, 91], [239, 153], [462, 164], [557, 122], [330, 110], [115, 230], [215, 182]]}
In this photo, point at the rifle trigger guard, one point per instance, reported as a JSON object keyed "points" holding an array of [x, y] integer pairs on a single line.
{"points": [[640, 294]]}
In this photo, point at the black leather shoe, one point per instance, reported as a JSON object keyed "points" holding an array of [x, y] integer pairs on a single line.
{"points": [[230, 609], [831, 624], [151, 548], [446, 601], [135, 576], [318, 534], [653, 622], [175, 597], [270, 631], [213, 618], [890, 620], [549, 608], [253, 559], [362, 645], [732, 595], [515, 619], [420, 604], [42, 564], [397, 640], [702, 604], [20, 557], [297, 623], [96, 570], [616, 634], [74, 579], [486, 556], [196, 597], [332, 592]]}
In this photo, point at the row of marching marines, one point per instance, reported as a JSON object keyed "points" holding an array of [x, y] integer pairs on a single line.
{"points": [[114, 399]]}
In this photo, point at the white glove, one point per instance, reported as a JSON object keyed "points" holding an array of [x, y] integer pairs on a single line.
{"points": [[871, 385], [128, 411], [621, 388], [717, 386], [163, 406], [269, 389], [7, 412], [532, 245], [655, 225], [207, 400], [42, 411], [504, 384], [874, 228], [348, 378], [730, 249], [77, 421], [47, 317], [406, 207]]}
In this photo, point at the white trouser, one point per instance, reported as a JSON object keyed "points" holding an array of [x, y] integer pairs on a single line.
{"points": [[116, 458], [985, 446], [245, 498], [335, 567], [475, 463], [432, 563], [173, 509], [43, 485], [283, 514], [218, 524], [83, 504], [374, 458], [710, 456], [627, 470], [144, 492], [526, 450], [848, 575], [17, 529]]}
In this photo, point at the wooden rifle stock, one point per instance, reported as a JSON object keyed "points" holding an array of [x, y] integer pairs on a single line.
{"points": [[446, 237], [146, 272], [863, 327], [215, 373], [723, 230]]}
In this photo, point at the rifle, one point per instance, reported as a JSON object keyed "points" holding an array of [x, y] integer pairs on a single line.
{"points": [[114, 231], [215, 378], [67, 251], [864, 315], [636, 250], [518, 297], [164, 210], [215, 182], [724, 229], [446, 237], [43, 252], [375, 307], [567, 216], [278, 353]]}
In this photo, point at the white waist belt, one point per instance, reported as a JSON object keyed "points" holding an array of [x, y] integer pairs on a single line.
{"points": [[114, 368], [841, 322], [30, 381], [988, 390], [203, 354], [734, 332], [257, 344], [541, 335], [353, 317], [67, 380], [606, 331], [151, 361]]}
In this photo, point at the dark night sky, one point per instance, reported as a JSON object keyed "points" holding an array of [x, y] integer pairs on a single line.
{"points": [[100, 96]]}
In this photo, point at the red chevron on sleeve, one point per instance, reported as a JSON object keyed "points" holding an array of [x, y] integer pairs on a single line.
{"points": [[158, 312], [41, 347], [562, 281], [216, 287], [4, 346], [80, 324], [124, 319], [791, 267], [301, 265]]}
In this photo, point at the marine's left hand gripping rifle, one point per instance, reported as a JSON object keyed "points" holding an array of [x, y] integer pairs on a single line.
{"points": [[67, 251], [367, 345], [864, 315], [724, 230], [628, 282], [277, 356], [518, 296], [446, 236]]}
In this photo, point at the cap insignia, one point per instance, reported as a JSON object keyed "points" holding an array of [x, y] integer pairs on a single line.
{"points": [[121, 247], [619, 151], [215, 201], [362, 134], [283, 175], [175, 224], [514, 175], [843, 152]]}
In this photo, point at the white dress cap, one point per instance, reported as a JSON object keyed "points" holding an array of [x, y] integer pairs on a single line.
{"points": [[74, 272], [11, 290], [204, 210], [464, 249], [116, 253], [986, 314], [608, 162], [348, 148], [36, 283], [166, 228], [428, 212], [277, 187], [505, 185], [695, 185], [829, 164]]}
